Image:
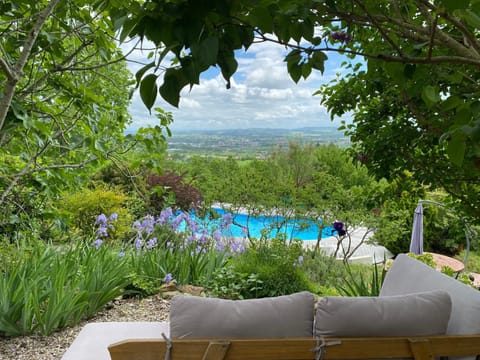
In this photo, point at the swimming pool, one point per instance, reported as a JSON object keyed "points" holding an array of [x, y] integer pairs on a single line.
{"points": [[293, 229]]}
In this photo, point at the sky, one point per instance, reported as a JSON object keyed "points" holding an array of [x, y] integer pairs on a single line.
{"points": [[262, 95]]}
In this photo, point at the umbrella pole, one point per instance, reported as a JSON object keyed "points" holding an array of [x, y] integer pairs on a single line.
{"points": [[467, 228]]}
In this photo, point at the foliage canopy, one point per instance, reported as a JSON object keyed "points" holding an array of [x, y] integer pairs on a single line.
{"points": [[414, 88]]}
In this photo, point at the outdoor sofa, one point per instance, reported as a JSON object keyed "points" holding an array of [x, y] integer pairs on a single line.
{"points": [[420, 313]]}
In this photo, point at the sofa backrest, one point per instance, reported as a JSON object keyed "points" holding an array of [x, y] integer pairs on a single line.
{"points": [[286, 316], [408, 275]]}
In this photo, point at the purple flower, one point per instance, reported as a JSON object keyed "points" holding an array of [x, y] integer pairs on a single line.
{"points": [[147, 224], [339, 227], [137, 226], [177, 221], [237, 247], [151, 243], [217, 235], [102, 231], [191, 238], [138, 243], [164, 216], [299, 260], [101, 219], [168, 278], [341, 36], [121, 254], [225, 221], [113, 217], [97, 243], [220, 246], [244, 230], [192, 224], [203, 237]]}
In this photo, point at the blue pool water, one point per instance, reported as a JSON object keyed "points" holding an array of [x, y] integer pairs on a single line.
{"points": [[294, 229]]}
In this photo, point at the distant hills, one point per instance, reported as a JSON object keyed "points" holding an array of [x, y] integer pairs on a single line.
{"points": [[248, 142]]}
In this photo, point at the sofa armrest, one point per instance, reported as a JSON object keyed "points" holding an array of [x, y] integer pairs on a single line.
{"points": [[93, 340]]}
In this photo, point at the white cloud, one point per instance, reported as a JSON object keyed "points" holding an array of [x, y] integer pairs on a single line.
{"points": [[262, 94]]}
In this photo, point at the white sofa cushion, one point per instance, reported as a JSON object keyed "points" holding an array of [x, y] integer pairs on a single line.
{"points": [[93, 340], [417, 314], [277, 317], [408, 275]]}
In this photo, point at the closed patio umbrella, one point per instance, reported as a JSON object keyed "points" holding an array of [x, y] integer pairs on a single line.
{"points": [[416, 242]]}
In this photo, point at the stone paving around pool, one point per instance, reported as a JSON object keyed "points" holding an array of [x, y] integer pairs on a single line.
{"points": [[356, 245]]}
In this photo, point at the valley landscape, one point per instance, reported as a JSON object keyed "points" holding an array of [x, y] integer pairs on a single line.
{"points": [[248, 143]]}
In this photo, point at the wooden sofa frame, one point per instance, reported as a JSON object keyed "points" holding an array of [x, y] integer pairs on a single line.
{"points": [[417, 347]]}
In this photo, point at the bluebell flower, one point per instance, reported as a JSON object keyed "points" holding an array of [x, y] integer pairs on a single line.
{"points": [[138, 243], [217, 235], [101, 219], [102, 231], [147, 224], [220, 246], [165, 216], [113, 217], [177, 221], [151, 243], [227, 219], [97, 243], [121, 254], [168, 278], [237, 247], [137, 226]]}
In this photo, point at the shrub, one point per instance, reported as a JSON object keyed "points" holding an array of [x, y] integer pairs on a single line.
{"points": [[323, 270], [81, 209], [171, 189], [230, 284], [276, 265]]}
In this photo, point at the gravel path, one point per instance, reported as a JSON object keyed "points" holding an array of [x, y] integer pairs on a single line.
{"points": [[52, 347]]}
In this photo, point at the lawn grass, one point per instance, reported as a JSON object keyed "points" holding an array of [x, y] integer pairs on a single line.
{"points": [[473, 261]]}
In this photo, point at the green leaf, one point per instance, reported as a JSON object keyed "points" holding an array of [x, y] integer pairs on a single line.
{"points": [[455, 4], [228, 65], [208, 51], [463, 116], [430, 95], [318, 61], [263, 19], [99, 145], [148, 90], [409, 70], [472, 18], [456, 147], [127, 28], [139, 74], [296, 31], [451, 103], [173, 82], [295, 70], [306, 70], [396, 71]]}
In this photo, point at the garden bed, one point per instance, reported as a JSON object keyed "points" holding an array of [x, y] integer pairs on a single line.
{"points": [[52, 347]]}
